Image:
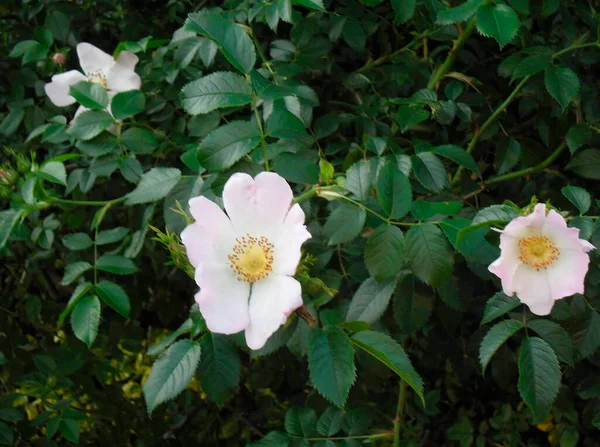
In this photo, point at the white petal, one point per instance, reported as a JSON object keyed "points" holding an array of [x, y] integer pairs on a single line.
{"points": [[504, 267], [256, 204], [199, 246], [273, 299], [58, 89], [122, 76], [287, 247], [71, 77], [93, 59], [223, 300], [533, 288], [567, 273]]}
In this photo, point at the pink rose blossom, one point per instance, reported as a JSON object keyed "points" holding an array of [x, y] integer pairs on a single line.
{"points": [[245, 260], [542, 260]]}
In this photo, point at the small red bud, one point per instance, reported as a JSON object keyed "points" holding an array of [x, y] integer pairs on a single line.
{"points": [[59, 58]]}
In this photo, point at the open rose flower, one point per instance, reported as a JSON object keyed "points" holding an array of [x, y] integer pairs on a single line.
{"points": [[245, 260], [115, 75], [542, 260]]}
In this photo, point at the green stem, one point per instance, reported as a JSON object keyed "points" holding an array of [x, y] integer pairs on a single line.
{"points": [[458, 44], [307, 195], [576, 47], [543, 165], [341, 438], [263, 140], [86, 202], [400, 412]]}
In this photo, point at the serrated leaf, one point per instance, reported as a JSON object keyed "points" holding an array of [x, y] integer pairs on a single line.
{"points": [[499, 305], [219, 370], [428, 254], [430, 171], [423, 210], [358, 180], [578, 197], [301, 422], [458, 155], [495, 338], [330, 422], [127, 104], [507, 156], [80, 291], [85, 319], [89, 124], [113, 295], [159, 347], [459, 13], [70, 430], [586, 164], [539, 375], [556, 336], [74, 271], [588, 338], [499, 22], [154, 185], [312, 4], [139, 141], [54, 171], [404, 9], [388, 351], [225, 145], [215, 91], [171, 373], [344, 224], [8, 220], [408, 117], [531, 65], [370, 300], [234, 43], [77, 241], [284, 124], [111, 236], [384, 252], [394, 192], [331, 363], [562, 83], [578, 135], [90, 95], [412, 305], [119, 265]]}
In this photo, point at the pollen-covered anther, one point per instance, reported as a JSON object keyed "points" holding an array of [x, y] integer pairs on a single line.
{"points": [[251, 258], [98, 77], [538, 251]]}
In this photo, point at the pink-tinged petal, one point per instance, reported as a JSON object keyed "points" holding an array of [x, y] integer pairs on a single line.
{"points": [[567, 273], [273, 299], [586, 246], [504, 267], [255, 204], [287, 246], [122, 77], [524, 226], [564, 238], [533, 288], [223, 300], [215, 229], [93, 59]]}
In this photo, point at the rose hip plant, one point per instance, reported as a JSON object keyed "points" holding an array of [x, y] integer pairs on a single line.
{"points": [[300, 223]]}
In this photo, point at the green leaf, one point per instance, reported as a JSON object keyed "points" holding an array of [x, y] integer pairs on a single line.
{"points": [[127, 104], [370, 300], [8, 220], [460, 13], [301, 422], [85, 319], [54, 171], [499, 22], [331, 363], [558, 338], [139, 141], [114, 296], [234, 43], [225, 145], [154, 185], [219, 371], [578, 135], [586, 164], [384, 252], [408, 117], [404, 9], [539, 376], [74, 271], [394, 192], [103, 144], [330, 421], [578, 197], [7, 436], [344, 224], [77, 241], [296, 169], [531, 65], [80, 291], [549, 7], [588, 338], [423, 210], [562, 83], [273, 439], [412, 305], [116, 264], [171, 373], [495, 338], [215, 91], [499, 305], [430, 171], [312, 4], [90, 95], [111, 236], [458, 155], [70, 430], [159, 347], [284, 124], [358, 180], [385, 349], [507, 156], [186, 189], [12, 121], [428, 254], [89, 124]]}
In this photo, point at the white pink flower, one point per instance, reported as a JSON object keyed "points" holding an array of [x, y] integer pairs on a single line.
{"points": [[542, 260], [115, 75], [245, 260]]}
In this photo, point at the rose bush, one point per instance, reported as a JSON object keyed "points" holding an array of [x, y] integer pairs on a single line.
{"points": [[300, 223]]}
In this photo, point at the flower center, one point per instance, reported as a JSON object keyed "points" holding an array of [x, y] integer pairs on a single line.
{"points": [[251, 258], [538, 251], [98, 77]]}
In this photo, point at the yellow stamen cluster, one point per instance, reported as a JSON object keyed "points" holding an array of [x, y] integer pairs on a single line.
{"points": [[538, 251], [98, 77], [252, 258]]}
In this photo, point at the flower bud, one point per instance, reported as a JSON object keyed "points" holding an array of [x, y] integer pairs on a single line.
{"points": [[59, 58]]}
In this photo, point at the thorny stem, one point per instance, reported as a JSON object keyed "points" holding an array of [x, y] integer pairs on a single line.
{"points": [[402, 394]]}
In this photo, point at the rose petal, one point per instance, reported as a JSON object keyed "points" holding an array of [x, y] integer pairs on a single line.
{"points": [[533, 288], [567, 273], [287, 247], [58, 89], [93, 59], [271, 302], [122, 76]]}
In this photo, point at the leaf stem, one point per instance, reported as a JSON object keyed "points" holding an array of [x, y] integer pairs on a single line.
{"points": [[402, 394], [458, 44], [385, 435], [263, 140], [57, 201]]}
